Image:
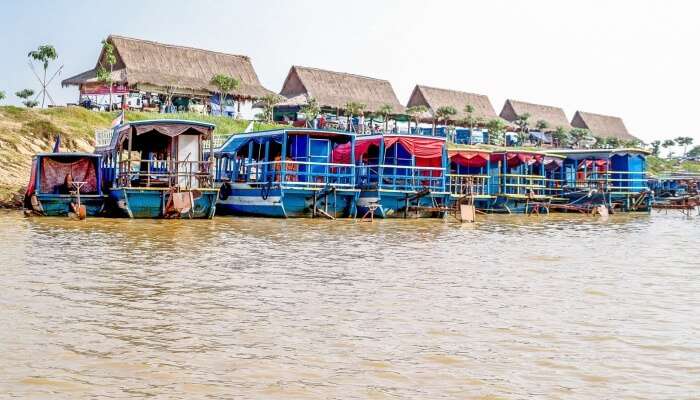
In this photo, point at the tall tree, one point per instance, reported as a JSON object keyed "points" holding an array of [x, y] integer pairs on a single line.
{"points": [[2, 95], [579, 135], [104, 75], [694, 152], [655, 148], [541, 125], [269, 102], [523, 127], [352, 109], [497, 130], [415, 113], [25, 95], [470, 121], [684, 141], [668, 143], [224, 85], [44, 54], [445, 114], [311, 110], [561, 138], [385, 111]]}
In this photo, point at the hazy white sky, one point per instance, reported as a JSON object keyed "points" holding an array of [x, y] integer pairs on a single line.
{"points": [[635, 59]]}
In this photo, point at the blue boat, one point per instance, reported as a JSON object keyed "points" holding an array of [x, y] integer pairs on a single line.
{"points": [[155, 169], [616, 178], [57, 179], [402, 176], [287, 173], [470, 176]]}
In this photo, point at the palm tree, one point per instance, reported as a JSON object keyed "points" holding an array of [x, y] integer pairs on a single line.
{"points": [[668, 143], [2, 95], [444, 114], [353, 108], [523, 127], [497, 129], [560, 136], [269, 102], [684, 141], [311, 110], [414, 113], [469, 110], [44, 54], [103, 75], [578, 135], [655, 147], [225, 84], [385, 111]]}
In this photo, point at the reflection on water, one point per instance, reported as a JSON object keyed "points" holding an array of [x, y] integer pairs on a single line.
{"points": [[515, 307]]}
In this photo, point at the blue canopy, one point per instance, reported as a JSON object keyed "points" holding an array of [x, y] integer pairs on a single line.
{"points": [[236, 142]]}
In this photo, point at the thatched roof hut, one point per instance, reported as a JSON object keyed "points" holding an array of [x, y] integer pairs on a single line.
{"points": [[434, 98], [336, 89], [604, 126], [553, 116], [158, 67]]}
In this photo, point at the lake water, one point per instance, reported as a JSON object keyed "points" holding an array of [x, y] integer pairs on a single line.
{"points": [[558, 307]]}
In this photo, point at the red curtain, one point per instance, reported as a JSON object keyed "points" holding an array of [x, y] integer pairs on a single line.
{"points": [[53, 174], [32, 179], [420, 147], [469, 158]]}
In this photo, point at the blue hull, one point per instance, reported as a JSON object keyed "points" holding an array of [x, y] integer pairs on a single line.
{"points": [[279, 202], [150, 203], [391, 204], [57, 205]]}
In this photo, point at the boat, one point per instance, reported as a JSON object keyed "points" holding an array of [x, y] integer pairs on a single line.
{"points": [[60, 182], [291, 172], [155, 169], [470, 176], [614, 178], [401, 176]]}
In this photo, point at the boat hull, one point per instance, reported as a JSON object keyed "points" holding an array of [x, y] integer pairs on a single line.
{"points": [[151, 203], [392, 204], [284, 202], [57, 205]]}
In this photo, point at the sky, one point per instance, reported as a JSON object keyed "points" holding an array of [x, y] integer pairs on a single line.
{"points": [[638, 60]]}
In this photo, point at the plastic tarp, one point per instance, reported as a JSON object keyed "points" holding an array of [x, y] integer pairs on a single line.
{"points": [[468, 158], [541, 136], [54, 172], [588, 164], [238, 142]]}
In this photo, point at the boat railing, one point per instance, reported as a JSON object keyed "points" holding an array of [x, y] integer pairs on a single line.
{"points": [[164, 173], [463, 185], [218, 140], [402, 178], [614, 182], [103, 137], [523, 184], [301, 173]]}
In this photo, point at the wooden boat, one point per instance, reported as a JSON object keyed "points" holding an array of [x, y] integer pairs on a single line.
{"points": [[615, 178], [402, 175], [59, 181], [287, 173], [155, 169], [471, 176]]}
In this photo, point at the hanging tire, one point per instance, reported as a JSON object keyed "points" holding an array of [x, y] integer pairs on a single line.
{"points": [[225, 191]]}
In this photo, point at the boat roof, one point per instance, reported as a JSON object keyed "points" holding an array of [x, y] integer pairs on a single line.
{"points": [[379, 135], [243, 137], [66, 154], [166, 121], [598, 152]]}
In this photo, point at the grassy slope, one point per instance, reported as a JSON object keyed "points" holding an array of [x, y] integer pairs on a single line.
{"points": [[24, 132], [658, 165]]}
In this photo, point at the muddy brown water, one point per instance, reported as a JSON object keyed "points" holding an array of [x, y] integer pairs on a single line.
{"points": [[558, 307]]}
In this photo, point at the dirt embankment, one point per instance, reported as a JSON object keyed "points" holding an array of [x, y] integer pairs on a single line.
{"points": [[24, 132]]}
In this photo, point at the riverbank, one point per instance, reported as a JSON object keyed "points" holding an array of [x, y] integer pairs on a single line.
{"points": [[25, 132]]}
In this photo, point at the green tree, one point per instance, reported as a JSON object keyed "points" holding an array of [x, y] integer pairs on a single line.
{"points": [[224, 84], [560, 137], [497, 130], [385, 111], [684, 141], [352, 109], [579, 135], [415, 113], [523, 127], [541, 125], [470, 121], [104, 75], [269, 102], [635, 143], [2, 95], [668, 143], [444, 113], [44, 54], [655, 148], [694, 152], [311, 110], [25, 94]]}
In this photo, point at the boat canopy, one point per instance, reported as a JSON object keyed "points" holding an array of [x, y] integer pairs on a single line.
{"points": [[417, 146], [598, 154], [470, 158], [53, 168], [167, 127], [239, 141]]}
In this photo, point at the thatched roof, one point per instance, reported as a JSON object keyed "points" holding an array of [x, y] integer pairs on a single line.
{"points": [[554, 116], [434, 98], [336, 89], [146, 63], [604, 126]]}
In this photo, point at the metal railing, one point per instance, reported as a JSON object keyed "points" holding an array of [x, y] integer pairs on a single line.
{"points": [[614, 182], [164, 173], [523, 185], [103, 137], [463, 185], [300, 173], [403, 178], [219, 141]]}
